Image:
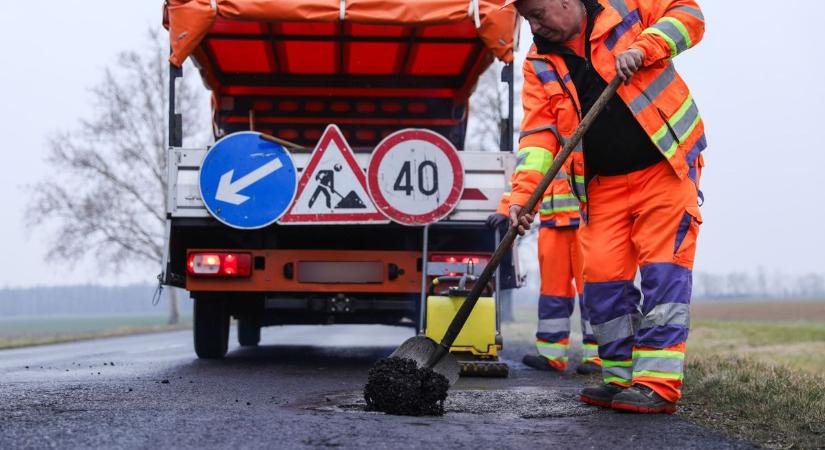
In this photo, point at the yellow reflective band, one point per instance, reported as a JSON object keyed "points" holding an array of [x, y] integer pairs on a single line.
{"points": [[681, 27], [673, 32], [551, 345], [670, 43], [666, 354], [534, 158], [617, 380], [560, 197], [560, 209], [681, 121], [609, 363], [555, 203], [663, 375]]}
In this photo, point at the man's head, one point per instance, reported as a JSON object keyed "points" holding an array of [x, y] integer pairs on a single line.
{"points": [[554, 20]]}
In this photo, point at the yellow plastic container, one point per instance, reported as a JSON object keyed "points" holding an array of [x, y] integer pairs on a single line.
{"points": [[479, 333]]}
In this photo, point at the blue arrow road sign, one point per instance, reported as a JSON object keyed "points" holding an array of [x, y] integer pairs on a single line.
{"points": [[247, 182]]}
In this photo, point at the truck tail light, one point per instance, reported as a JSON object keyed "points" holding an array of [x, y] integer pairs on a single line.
{"points": [[219, 264], [455, 265]]}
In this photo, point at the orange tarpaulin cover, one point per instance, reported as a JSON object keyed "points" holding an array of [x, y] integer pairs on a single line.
{"points": [[189, 21]]}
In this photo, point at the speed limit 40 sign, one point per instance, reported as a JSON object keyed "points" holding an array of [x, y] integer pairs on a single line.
{"points": [[415, 177]]}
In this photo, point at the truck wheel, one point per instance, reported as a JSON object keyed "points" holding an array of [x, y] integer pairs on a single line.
{"points": [[249, 333], [211, 328]]}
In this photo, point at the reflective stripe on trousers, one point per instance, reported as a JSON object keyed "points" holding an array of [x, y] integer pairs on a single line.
{"points": [[554, 326], [590, 352], [663, 364], [553, 351], [617, 372], [619, 328]]}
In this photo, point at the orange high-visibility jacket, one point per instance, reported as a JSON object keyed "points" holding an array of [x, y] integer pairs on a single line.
{"points": [[657, 96], [559, 207]]}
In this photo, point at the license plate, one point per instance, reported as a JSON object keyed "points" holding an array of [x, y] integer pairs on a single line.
{"points": [[340, 272]]}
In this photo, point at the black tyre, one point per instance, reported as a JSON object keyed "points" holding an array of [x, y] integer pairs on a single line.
{"points": [[249, 333], [211, 328]]}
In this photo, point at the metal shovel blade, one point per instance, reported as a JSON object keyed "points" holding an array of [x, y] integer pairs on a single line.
{"points": [[420, 349]]}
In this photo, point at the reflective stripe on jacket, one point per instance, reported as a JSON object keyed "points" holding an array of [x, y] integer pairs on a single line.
{"points": [[657, 96], [559, 207]]}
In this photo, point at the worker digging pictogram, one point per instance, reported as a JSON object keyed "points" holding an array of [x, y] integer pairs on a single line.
{"points": [[326, 189], [332, 188]]}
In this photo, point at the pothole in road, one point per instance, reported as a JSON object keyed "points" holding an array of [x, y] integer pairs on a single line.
{"points": [[524, 403]]}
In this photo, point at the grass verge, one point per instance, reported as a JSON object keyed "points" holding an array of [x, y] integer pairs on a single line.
{"points": [[798, 345], [758, 380], [29, 341], [775, 406], [28, 331]]}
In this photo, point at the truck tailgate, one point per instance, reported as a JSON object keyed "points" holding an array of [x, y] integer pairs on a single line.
{"points": [[486, 178]]}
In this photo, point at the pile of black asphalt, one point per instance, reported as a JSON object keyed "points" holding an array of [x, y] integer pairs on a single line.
{"points": [[398, 386]]}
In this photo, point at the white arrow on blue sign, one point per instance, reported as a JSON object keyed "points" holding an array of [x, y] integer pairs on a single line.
{"points": [[247, 182]]}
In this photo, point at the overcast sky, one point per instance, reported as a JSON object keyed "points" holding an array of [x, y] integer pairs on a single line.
{"points": [[757, 78]]}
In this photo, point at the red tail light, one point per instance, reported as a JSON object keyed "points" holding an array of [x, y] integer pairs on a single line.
{"points": [[219, 264]]}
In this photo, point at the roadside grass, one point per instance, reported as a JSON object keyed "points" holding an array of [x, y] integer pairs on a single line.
{"points": [[799, 345], [757, 380], [771, 405], [28, 331]]}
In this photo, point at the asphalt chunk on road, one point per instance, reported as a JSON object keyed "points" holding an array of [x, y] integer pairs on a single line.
{"points": [[398, 386]]}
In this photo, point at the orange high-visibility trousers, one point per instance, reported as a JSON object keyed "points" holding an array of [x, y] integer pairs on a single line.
{"points": [[646, 220], [560, 265]]}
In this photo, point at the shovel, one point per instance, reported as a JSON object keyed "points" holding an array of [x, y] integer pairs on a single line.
{"points": [[425, 351]]}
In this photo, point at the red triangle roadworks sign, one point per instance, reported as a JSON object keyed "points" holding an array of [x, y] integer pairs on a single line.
{"points": [[333, 187]]}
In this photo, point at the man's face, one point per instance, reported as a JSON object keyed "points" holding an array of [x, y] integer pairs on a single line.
{"points": [[555, 20]]}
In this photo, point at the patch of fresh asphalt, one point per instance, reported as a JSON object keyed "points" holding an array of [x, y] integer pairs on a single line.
{"points": [[300, 389]]}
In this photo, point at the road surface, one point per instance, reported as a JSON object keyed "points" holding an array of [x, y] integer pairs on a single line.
{"points": [[300, 389]]}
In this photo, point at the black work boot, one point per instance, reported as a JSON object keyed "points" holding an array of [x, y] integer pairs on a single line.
{"points": [[588, 368], [601, 395], [539, 363], [642, 399]]}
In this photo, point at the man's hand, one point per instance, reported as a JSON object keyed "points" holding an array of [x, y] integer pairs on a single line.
{"points": [[629, 62], [522, 224]]}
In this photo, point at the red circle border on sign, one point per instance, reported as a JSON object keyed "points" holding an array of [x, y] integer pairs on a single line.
{"points": [[381, 151]]}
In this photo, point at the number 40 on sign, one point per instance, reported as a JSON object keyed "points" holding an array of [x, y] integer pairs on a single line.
{"points": [[415, 177]]}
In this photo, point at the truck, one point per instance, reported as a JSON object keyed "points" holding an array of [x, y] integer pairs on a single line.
{"points": [[292, 72]]}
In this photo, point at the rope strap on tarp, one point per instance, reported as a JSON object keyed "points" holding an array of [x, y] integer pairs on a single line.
{"points": [[474, 11]]}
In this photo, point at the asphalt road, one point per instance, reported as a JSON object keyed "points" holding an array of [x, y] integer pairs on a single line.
{"points": [[300, 389]]}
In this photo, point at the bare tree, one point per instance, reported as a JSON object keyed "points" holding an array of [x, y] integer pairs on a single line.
{"points": [[108, 193], [487, 108]]}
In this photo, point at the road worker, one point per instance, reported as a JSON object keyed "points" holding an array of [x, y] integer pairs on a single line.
{"points": [[560, 268], [636, 173]]}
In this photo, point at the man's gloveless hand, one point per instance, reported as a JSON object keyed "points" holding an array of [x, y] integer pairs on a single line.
{"points": [[523, 223], [628, 63]]}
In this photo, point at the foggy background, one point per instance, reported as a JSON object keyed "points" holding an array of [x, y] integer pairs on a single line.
{"points": [[756, 78]]}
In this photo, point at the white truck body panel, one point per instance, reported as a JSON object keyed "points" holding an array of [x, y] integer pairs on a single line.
{"points": [[488, 172]]}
